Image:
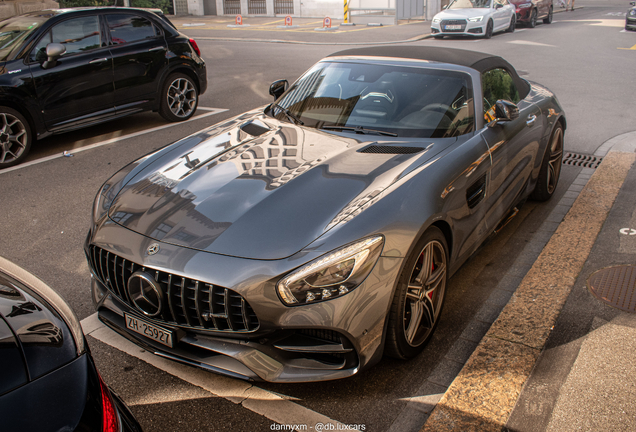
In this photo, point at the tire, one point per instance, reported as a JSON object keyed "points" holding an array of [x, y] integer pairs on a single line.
{"points": [[489, 28], [533, 19], [550, 167], [548, 19], [420, 292], [513, 24], [16, 135], [179, 98]]}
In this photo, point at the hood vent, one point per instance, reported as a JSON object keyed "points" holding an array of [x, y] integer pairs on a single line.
{"points": [[255, 128], [386, 149]]}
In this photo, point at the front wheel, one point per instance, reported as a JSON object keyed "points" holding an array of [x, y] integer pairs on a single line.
{"points": [[533, 19], [179, 98], [489, 28], [419, 296], [548, 19], [15, 137], [513, 24], [550, 167]]}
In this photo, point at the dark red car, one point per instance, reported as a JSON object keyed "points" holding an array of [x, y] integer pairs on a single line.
{"points": [[529, 11]]}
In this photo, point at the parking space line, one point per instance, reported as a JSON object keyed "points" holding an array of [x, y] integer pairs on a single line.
{"points": [[212, 111], [276, 407]]}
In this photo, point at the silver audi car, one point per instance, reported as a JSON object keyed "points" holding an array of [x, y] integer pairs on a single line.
{"points": [[304, 240]]}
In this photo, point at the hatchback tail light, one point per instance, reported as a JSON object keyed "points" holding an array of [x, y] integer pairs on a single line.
{"points": [[110, 418], [195, 47]]}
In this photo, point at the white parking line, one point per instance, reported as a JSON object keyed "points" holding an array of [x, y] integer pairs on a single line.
{"points": [[276, 407], [212, 111]]}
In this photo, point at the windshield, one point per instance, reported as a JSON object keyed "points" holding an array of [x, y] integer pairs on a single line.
{"points": [[14, 31], [469, 4], [401, 101]]}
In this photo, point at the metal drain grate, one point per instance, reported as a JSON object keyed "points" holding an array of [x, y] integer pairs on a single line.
{"points": [[581, 160], [615, 286]]}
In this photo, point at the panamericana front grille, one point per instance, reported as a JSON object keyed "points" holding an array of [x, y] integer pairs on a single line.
{"points": [[187, 302], [461, 23]]}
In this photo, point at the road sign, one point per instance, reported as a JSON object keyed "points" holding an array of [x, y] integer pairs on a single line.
{"points": [[239, 20], [326, 22], [288, 20]]}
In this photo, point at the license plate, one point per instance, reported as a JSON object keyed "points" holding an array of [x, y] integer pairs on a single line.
{"points": [[161, 335], [453, 27]]}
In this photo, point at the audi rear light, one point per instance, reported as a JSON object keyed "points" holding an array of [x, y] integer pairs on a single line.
{"points": [[110, 418], [195, 47]]}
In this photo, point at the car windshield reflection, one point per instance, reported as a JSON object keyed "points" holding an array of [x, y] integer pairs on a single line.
{"points": [[469, 4], [14, 31], [387, 100]]}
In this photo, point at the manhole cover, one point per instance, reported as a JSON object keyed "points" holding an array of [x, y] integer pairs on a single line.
{"points": [[615, 286]]}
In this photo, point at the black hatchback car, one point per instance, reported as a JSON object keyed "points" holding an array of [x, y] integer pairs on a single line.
{"points": [[630, 17], [48, 380], [66, 69]]}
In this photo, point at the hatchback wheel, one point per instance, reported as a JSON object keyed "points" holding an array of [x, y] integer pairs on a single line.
{"points": [[533, 19], [15, 137], [179, 98], [548, 19], [419, 296], [550, 167], [489, 28]]}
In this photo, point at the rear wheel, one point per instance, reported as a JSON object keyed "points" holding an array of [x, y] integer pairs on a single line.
{"points": [[15, 137], [179, 98], [533, 19], [489, 28], [550, 167], [418, 299], [548, 19]]}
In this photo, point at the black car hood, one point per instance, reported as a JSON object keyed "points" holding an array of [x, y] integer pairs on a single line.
{"points": [[260, 188]]}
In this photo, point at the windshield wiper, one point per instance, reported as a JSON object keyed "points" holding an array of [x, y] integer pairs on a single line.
{"points": [[360, 129], [291, 117]]}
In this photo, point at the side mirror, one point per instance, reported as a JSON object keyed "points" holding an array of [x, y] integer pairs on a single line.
{"points": [[632, 3], [53, 51], [505, 111], [278, 88]]}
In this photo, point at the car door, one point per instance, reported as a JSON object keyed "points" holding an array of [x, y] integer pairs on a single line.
{"points": [[501, 14], [138, 48], [79, 87], [512, 144]]}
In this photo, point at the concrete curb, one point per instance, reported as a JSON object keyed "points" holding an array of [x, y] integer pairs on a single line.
{"points": [[484, 393]]}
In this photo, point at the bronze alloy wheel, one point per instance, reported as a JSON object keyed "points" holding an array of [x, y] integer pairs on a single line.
{"points": [[419, 297], [15, 137], [550, 167], [180, 99]]}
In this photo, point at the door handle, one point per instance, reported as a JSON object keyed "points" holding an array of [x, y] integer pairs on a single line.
{"points": [[159, 48], [531, 119], [98, 61]]}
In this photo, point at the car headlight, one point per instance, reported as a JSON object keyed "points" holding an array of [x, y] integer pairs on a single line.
{"points": [[525, 5], [436, 20], [101, 203], [632, 12], [476, 19], [332, 275]]}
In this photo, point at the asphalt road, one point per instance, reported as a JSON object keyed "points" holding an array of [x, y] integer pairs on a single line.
{"points": [[46, 206]]}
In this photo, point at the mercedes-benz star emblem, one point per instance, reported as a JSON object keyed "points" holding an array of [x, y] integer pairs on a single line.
{"points": [[152, 249], [145, 293]]}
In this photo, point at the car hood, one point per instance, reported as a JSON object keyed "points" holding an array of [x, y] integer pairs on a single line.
{"points": [[258, 188], [462, 13]]}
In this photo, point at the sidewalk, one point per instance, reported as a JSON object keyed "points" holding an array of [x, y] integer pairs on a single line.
{"points": [[558, 358]]}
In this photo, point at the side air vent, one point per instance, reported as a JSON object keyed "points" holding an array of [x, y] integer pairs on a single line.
{"points": [[581, 160], [476, 192], [385, 149]]}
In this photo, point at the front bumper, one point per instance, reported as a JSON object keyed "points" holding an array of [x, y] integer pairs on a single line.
{"points": [[465, 28], [316, 342], [630, 22]]}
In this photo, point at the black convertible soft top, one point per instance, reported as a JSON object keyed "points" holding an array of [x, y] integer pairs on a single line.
{"points": [[481, 62]]}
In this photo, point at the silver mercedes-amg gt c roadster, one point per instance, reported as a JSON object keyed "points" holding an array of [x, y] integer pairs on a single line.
{"points": [[304, 240]]}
